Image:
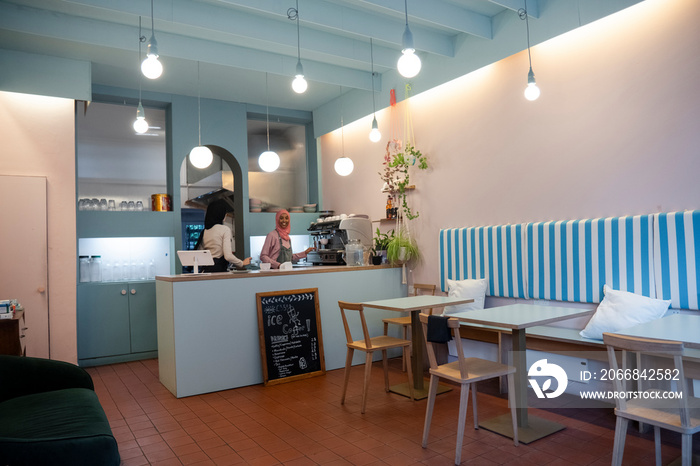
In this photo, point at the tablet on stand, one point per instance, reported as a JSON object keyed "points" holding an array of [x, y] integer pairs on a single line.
{"points": [[196, 258]]}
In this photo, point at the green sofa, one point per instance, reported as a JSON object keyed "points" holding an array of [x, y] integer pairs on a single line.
{"points": [[50, 414]]}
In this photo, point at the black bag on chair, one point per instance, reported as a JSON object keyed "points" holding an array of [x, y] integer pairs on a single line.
{"points": [[438, 331]]}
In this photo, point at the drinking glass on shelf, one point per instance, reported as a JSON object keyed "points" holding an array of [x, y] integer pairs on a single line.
{"points": [[112, 205], [103, 204], [139, 206], [123, 205], [131, 206]]}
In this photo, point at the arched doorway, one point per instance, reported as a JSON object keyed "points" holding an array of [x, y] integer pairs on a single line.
{"points": [[223, 178]]}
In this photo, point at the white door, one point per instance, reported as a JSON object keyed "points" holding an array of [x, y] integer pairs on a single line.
{"points": [[23, 248]]}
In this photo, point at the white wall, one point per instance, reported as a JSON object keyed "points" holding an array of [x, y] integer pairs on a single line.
{"points": [[38, 135], [615, 132]]}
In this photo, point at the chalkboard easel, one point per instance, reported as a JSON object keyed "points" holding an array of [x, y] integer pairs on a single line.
{"points": [[291, 343]]}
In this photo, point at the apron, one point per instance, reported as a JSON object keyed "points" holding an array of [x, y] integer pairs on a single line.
{"points": [[285, 254], [220, 265]]}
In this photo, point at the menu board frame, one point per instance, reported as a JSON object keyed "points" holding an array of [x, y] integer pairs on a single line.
{"points": [[267, 320]]}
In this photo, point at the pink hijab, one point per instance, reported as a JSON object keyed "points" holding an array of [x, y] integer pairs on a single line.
{"points": [[283, 232]]}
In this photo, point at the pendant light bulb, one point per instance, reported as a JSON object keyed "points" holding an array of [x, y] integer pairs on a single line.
{"points": [[375, 135], [269, 161], [299, 84], [532, 92], [409, 64], [151, 67], [140, 125], [201, 157], [344, 166]]}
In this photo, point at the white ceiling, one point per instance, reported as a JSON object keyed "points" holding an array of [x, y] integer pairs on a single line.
{"points": [[238, 42]]}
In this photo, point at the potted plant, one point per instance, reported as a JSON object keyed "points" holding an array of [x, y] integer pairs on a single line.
{"points": [[396, 176], [381, 243], [402, 248]]}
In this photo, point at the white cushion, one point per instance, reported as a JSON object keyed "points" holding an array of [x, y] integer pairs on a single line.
{"points": [[469, 289], [620, 310]]}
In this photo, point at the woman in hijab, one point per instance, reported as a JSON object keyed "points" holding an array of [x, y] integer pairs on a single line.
{"points": [[278, 247], [216, 237]]}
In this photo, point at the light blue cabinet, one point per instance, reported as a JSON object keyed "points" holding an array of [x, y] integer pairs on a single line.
{"points": [[116, 322]]}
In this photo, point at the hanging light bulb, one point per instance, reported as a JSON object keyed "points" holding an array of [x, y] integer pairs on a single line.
{"points": [[532, 92], [140, 124], [374, 134], [299, 84], [343, 165], [151, 67], [409, 64], [200, 156], [269, 161]]}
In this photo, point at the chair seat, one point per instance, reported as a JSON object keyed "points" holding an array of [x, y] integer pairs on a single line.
{"points": [[665, 417], [479, 369], [403, 321], [379, 343]]}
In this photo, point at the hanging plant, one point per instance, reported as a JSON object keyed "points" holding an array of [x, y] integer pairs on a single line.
{"points": [[396, 175]]}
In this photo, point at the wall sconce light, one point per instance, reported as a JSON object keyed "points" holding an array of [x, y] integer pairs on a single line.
{"points": [[374, 134], [140, 125], [299, 84], [269, 161], [200, 156], [151, 67], [532, 92], [409, 64]]}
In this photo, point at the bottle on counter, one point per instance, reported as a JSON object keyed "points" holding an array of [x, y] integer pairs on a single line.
{"points": [[107, 272], [84, 269], [95, 268], [152, 270], [389, 208], [142, 270], [133, 271]]}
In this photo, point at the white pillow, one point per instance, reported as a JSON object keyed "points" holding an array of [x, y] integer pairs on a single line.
{"points": [[474, 289], [620, 310]]}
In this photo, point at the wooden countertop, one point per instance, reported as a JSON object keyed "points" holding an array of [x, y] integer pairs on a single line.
{"points": [[189, 277]]}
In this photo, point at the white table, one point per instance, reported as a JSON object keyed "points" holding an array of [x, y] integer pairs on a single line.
{"points": [[414, 305], [675, 327], [518, 317]]}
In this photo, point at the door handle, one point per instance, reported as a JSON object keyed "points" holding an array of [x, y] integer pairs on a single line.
{"points": [[41, 289], [133, 291], [123, 292]]}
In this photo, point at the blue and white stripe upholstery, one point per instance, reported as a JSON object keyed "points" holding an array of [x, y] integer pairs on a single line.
{"points": [[677, 252], [493, 252], [572, 260]]}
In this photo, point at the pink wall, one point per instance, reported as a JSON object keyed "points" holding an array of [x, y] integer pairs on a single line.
{"points": [[615, 132], [38, 139]]}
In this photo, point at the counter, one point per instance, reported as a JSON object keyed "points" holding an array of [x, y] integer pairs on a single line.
{"points": [[208, 326]]}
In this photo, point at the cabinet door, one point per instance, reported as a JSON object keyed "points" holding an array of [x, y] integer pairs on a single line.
{"points": [[103, 320], [142, 311]]}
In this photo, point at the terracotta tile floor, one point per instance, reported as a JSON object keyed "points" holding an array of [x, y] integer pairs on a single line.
{"points": [[303, 423]]}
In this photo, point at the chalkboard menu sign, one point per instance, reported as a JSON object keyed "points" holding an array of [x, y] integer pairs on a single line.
{"points": [[291, 343]]}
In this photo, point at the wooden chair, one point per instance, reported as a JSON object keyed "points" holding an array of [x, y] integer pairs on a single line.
{"points": [[369, 345], [466, 372], [405, 322], [681, 414]]}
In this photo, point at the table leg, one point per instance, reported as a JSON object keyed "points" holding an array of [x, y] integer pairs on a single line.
{"points": [[530, 428]]}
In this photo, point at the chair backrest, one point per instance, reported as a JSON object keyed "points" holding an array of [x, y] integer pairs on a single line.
{"points": [[660, 348], [454, 326], [346, 306], [424, 289]]}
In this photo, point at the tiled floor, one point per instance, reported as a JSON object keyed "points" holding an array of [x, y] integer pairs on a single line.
{"points": [[303, 423]]}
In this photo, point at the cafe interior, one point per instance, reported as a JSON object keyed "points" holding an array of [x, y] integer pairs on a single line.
{"points": [[554, 292]]}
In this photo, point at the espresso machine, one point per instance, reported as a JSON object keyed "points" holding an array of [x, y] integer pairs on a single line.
{"points": [[332, 234]]}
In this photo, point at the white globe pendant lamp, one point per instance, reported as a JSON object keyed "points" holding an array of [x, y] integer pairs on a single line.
{"points": [[200, 156], [151, 67], [409, 64], [343, 165], [268, 161], [140, 124], [532, 92]]}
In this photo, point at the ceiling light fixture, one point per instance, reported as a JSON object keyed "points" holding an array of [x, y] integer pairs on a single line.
{"points": [[343, 165], [409, 63], [269, 161], [374, 134], [299, 84], [532, 92], [140, 125], [200, 156], [151, 67]]}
